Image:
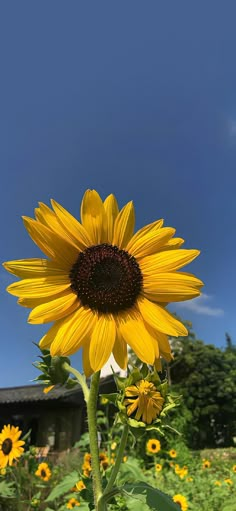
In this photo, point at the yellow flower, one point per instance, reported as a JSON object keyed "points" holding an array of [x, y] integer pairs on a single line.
{"points": [[153, 446], [104, 461], [217, 483], [228, 481], [182, 472], [3, 471], [43, 471], [206, 464], [158, 467], [104, 400], [182, 501], [189, 479], [113, 446], [10, 445], [86, 467], [234, 468], [80, 486], [72, 503], [103, 286], [172, 453], [144, 398], [125, 458]]}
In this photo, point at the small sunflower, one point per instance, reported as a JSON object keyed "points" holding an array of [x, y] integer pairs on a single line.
{"points": [[144, 399], [206, 464], [104, 461], [153, 446], [228, 481], [72, 503], [172, 453], [182, 501], [43, 471], [158, 467], [234, 468], [80, 486], [113, 446], [217, 483], [103, 286], [10, 445]]}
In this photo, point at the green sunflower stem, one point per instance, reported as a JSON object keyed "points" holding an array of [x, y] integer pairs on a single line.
{"points": [[93, 437], [119, 459], [80, 378]]}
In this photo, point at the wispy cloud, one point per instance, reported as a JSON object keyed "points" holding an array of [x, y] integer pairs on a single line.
{"points": [[200, 306]]}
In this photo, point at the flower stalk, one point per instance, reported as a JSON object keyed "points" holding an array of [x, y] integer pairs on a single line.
{"points": [[93, 436]]}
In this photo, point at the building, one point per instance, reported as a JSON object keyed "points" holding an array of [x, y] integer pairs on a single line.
{"points": [[56, 419]]}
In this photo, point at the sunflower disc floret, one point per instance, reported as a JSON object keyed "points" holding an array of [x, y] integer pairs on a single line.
{"points": [[102, 286]]}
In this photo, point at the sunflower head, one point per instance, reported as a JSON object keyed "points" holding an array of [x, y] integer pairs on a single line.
{"points": [[206, 464], [234, 468], [103, 286], [80, 486], [11, 448], [143, 400], [72, 503], [153, 446], [228, 481], [172, 453], [182, 501], [158, 467], [43, 472], [52, 369]]}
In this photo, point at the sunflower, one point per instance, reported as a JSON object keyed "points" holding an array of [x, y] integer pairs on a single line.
{"points": [[228, 481], [103, 286], [72, 503], [206, 464], [182, 501], [80, 486], [172, 453], [217, 483], [234, 468], [144, 398], [10, 445], [153, 446], [158, 467], [43, 471]]}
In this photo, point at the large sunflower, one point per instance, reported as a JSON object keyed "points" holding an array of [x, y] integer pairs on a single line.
{"points": [[10, 445], [103, 286]]}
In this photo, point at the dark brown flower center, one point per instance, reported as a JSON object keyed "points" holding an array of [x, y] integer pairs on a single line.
{"points": [[43, 473], [154, 447], [106, 278], [7, 446]]}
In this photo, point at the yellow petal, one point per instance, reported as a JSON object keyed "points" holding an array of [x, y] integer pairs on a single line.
{"points": [[102, 341], [54, 309], [26, 268], [171, 287], [124, 226], [76, 331], [166, 261], [111, 210], [150, 243], [133, 331], [120, 351], [86, 362], [160, 319], [34, 302], [37, 288], [147, 229], [93, 216], [73, 227], [49, 337], [47, 217], [173, 243], [51, 244]]}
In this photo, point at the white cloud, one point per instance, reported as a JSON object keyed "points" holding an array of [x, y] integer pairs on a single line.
{"points": [[200, 306]]}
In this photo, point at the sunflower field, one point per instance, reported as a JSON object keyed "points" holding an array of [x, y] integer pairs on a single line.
{"points": [[104, 290]]}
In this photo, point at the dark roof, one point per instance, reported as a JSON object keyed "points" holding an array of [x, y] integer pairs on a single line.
{"points": [[32, 393], [35, 393]]}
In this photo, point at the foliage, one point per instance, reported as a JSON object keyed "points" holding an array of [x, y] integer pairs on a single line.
{"points": [[206, 378]]}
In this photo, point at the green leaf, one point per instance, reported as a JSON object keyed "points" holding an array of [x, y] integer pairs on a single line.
{"points": [[6, 489], [230, 506], [64, 486], [155, 499]]}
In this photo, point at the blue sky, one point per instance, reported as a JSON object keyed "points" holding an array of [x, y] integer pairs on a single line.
{"points": [[135, 98]]}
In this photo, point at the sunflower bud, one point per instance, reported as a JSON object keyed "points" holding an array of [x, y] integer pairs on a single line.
{"points": [[52, 369]]}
